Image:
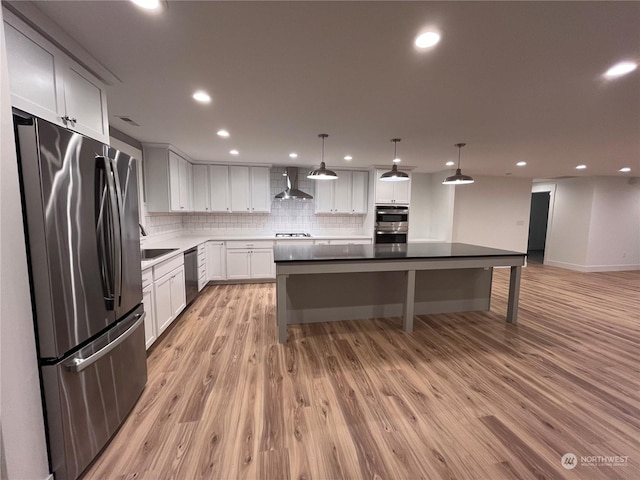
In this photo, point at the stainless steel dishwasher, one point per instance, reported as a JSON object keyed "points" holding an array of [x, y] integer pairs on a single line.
{"points": [[191, 274]]}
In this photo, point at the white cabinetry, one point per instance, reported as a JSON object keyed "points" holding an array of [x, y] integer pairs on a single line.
{"points": [[169, 292], [148, 300], [347, 194], [250, 260], [47, 83], [216, 261], [392, 192], [168, 179], [201, 191], [219, 188], [202, 266], [249, 189]]}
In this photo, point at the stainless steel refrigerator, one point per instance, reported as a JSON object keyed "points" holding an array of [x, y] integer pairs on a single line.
{"points": [[80, 206]]}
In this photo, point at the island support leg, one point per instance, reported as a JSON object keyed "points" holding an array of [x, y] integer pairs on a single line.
{"points": [[409, 301], [514, 294], [281, 307]]}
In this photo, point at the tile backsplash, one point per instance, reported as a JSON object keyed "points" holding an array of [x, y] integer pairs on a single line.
{"points": [[285, 216]]}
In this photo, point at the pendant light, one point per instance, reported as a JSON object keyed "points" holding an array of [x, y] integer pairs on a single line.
{"points": [[458, 178], [394, 175], [322, 173]]}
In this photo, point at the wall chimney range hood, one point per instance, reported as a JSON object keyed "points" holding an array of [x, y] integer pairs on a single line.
{"points": [[292, 192]]}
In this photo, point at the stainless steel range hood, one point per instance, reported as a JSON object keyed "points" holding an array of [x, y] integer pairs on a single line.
{"points": [[292, 192]]}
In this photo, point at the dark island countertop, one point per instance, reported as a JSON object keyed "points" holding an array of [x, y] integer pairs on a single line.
{"points": [[411, 251]]}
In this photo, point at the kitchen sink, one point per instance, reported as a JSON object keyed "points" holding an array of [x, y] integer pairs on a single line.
{"points": [[150, 253]]}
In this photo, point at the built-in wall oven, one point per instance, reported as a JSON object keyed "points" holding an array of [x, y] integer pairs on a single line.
{"points": [[392, 224]]}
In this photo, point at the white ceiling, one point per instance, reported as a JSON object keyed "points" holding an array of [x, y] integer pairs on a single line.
{"points": [[516, 81]]}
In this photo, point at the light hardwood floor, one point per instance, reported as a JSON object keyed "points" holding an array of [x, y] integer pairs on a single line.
{"points": [[464, 396]]}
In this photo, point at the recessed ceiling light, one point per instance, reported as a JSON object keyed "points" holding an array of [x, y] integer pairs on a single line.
{"points": [[624, 169], [427, 39], [348, 157], [234, 152], [201, 96], [581, 167], [521, 164], [147, 4], [450, 164], [293, 155], [621, 68], [223, 133]]}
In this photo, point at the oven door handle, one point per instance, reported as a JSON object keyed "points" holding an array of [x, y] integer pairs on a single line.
{"points": [[404, 211], [395, 232]]}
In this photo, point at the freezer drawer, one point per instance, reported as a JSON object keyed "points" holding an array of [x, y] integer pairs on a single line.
{"points": [[89, 394]]}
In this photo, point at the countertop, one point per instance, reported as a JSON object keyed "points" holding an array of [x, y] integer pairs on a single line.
{"points": [[186, 241], [332, 253]]}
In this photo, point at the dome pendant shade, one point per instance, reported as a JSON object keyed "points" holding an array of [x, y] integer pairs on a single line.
{"points": [[458, 178], [322, 173], [394, 175]]}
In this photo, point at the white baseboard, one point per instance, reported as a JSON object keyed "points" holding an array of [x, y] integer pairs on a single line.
{"points": [[593, 268]]}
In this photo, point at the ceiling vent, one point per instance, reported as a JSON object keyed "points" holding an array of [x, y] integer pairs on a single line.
{"points": [[127, 120]]}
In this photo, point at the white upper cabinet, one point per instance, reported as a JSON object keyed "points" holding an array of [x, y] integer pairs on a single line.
{"points": [[392, 192], [201, 191], [260, 189], [250, 189], [359, 190], [168, 179], [45, 82], [345, 195], [240, 190], [219, 188]]}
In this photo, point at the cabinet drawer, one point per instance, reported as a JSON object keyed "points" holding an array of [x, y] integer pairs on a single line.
{"points": [[202, 259], [201, 249], [249, 244], [202, 270], [167, 266], [147, 277]]}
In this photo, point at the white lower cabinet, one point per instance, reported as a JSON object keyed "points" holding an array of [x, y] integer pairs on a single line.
{"points": [[216, 261], [148, 301], [169, 292], [247, 260]]}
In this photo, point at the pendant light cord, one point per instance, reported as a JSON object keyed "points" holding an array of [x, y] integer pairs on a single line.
{"points": [[459, 145]]}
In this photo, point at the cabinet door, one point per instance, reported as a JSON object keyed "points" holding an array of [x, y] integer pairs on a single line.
{"points": [[260, 189], [239, 188], [184, 171], [262, 264], [324, 196], [359, 192], [238, 263], [200, 188], [216, 261], [174, 181], [85, 103], [33, 78], [219, 188], [342, 192], [384, 190], [150, 318], [402, 192], [163, 311], [178, 294]]}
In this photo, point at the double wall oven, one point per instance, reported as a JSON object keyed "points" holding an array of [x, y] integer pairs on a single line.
{"points": [[392, 224]]}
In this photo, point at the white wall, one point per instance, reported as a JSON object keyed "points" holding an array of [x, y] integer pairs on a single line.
{"points": [[614, 230], [24, 454], [420, 217], [442, 201], [493, 212]]}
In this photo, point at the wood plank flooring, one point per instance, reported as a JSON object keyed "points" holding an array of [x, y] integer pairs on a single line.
{"points": [[465, 396]]}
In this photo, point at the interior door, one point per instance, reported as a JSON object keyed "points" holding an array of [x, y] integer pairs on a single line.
{"points": [[130, 294], [67, 208]]}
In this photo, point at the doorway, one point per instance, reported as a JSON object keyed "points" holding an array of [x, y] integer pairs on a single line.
{"points": [[538, 220]]}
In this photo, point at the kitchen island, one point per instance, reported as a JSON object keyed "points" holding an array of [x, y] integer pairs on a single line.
{"points": [[320, 283]]}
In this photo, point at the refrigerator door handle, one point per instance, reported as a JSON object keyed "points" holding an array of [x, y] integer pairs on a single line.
{"points": [[77, 365], [117, 228], [104, 230], [118, 243]]}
